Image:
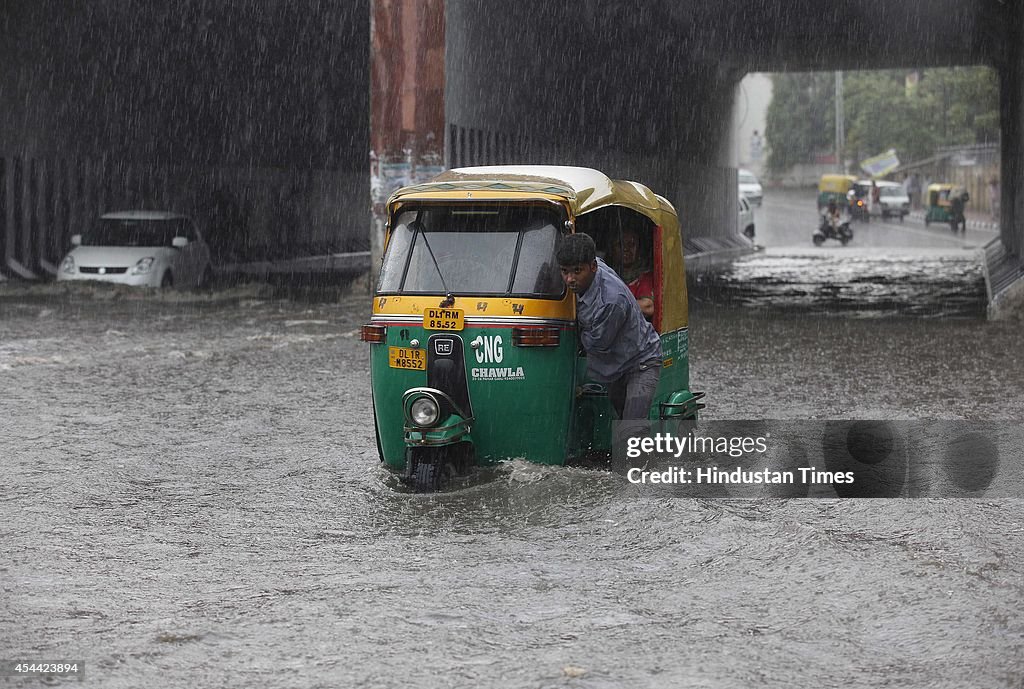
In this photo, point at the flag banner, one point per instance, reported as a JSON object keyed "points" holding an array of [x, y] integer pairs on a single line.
{"points": [[880, 165]]}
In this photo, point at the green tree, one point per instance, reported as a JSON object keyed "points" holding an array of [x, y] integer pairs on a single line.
{"points": [[948, 107], [801, 118]]}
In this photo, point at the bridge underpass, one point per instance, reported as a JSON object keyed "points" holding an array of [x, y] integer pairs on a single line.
{"points": [[255, 115], [648, 92]]}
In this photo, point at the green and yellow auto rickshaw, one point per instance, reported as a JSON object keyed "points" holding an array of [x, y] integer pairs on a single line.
{"points": [[834, 188], [474, 353], [938, 203]]}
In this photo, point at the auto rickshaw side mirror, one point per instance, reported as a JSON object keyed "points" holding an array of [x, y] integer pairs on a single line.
{"points": [[568, 226]]}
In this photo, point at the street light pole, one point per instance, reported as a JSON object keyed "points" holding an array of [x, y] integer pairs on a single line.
{"points": [[840, 129]]}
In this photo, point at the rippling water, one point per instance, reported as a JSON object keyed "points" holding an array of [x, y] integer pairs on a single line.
{"points": [[853, 282], [192, 498]]}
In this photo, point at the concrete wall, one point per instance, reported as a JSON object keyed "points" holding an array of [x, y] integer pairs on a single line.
{"points": [[260, 106], [565, 91], [1011, 80]]}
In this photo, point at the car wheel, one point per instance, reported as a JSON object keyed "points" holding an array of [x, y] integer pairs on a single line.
{"points": [[167, 280], [207, 279]]}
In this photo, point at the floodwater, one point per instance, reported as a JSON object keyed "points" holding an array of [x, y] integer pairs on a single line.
{"points": [[192, 497]]}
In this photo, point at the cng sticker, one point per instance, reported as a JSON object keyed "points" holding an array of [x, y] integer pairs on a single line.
{"points": [[490, 349]]}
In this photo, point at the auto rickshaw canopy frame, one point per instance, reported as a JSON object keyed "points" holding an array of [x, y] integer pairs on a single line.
{"points": [[581, 191]]}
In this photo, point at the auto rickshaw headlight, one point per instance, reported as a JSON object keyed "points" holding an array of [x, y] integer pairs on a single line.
{"points": [[424, 411]]}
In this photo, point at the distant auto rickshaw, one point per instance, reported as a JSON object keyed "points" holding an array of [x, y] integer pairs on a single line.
{"points": [[474, 354], [834, 187], [938, 203]]}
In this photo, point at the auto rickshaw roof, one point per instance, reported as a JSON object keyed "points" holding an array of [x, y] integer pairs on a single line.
{"points": [[835, 182], [583, 188]]}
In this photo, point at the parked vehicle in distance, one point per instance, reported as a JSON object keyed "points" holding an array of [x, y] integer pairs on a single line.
{"points": [[892, 201], [141, 248], [745, 224], [750, 187]]}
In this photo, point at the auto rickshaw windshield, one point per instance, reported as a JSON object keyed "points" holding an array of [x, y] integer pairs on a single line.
{"points": [[482, 249]]}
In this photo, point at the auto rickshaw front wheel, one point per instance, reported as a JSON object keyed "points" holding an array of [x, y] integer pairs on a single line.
{"points": [[431, 476]]}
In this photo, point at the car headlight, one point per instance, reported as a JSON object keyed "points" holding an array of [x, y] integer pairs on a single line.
{"points": [[67, 265], [143, 266], [424, 411]]}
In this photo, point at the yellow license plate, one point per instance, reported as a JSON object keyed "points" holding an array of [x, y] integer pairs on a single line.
{"points": [[443, 319], [407, 358]]}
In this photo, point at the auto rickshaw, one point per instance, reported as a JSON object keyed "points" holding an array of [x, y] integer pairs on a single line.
{"points": [[938, 203], [474, 352], [834, 187]]}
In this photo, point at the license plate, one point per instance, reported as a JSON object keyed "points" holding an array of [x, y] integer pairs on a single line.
{"points": [[407, 358], [443, 319]]}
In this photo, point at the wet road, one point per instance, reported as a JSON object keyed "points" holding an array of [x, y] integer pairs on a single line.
{"points": [[192, 498], [891, 268]]}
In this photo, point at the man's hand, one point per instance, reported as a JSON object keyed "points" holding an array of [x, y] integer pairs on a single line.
{"points": [[646, 305]]}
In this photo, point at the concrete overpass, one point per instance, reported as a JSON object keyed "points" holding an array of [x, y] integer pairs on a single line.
{"points": [[258, 111], [647, 90]]}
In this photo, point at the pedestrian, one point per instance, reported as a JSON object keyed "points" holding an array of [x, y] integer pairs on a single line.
{"points": [[993, 198], [958, 198], [623, 349], [914, 190]]}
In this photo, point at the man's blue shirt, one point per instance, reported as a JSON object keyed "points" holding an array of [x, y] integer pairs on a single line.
{"points": [[613, 330]]}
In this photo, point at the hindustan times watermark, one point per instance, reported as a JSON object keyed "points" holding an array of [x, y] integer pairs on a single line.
{"points": [[800, 458]]}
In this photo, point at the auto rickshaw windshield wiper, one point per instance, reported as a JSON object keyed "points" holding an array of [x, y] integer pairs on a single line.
{"points": [[449, 298]]}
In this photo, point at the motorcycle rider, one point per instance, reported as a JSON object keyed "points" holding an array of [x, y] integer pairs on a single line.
{"points": [[832, 218]]}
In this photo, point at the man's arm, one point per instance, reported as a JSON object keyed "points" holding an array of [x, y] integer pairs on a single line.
{"points": [[600, 334]]}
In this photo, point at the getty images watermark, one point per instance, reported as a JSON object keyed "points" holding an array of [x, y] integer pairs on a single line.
{"points": [[863, 459]]}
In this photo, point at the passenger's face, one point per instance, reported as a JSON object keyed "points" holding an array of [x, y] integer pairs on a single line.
{"points": [[630, 248], [578, 278]]}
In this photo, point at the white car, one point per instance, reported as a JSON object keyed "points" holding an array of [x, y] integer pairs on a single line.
{"points": [[750, 187], [892, 200], [745, 224], [143, 248]]}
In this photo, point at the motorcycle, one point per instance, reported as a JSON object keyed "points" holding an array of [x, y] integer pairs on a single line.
{"points": [[858, 208], [832, 227]]}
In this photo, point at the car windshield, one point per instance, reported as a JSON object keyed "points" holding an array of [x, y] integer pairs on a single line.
{"points": [[134, 232], [486, 249], [891, 191], [747, 178]]}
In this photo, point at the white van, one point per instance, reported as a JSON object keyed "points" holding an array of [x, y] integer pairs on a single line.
{"points": [[892, 201]]}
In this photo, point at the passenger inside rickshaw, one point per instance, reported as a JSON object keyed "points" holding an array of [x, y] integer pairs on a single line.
{"points": [[624, 240]]}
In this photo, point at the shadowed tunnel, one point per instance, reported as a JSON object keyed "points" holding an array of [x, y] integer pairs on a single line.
{"points": [[255, 116]]}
